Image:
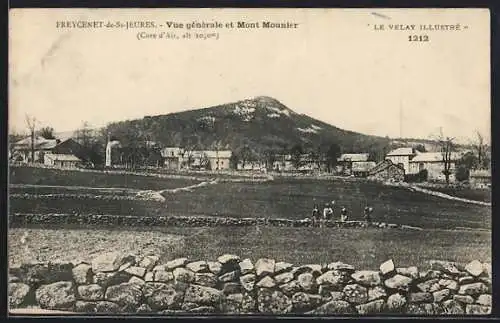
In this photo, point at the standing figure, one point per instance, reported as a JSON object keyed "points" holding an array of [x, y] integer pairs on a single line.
{"points": [[327, 212], [368, 214], [315, 215], [343, 214], [333, 209]]}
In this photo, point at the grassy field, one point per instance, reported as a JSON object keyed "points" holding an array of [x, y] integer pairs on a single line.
{"points": [[283, 198], [43, 176], [363, 248]]}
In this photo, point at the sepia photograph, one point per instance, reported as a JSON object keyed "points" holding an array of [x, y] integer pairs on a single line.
{"points": [[249, 162]]}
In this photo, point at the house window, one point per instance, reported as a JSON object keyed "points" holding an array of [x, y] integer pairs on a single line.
{"points": [[172, 154]]}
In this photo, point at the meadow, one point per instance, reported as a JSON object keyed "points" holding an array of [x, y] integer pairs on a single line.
{"points": [[451, 230], [57, 177], [281, 198]]}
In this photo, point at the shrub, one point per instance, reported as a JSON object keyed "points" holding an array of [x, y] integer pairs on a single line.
{"points": [[462, 173], [421, 176]]}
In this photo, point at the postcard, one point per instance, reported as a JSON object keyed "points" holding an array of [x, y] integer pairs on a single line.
{"points": [[249, 162]]}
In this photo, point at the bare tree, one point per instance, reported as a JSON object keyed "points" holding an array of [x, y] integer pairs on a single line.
{"points": [[481, 147], [270, 157], [333, 153], [315, 158], [217, 146], [190, 146], [446, 147], [47, 133], [296, 152], [31, 124], [205, 162]]}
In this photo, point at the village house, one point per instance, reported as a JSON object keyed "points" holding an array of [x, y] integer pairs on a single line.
{"points": [[387, 171], [402, 157], [434, 164], [283, 163], [22, 149], [218, 159], [177, 158], [286, 163], [346, 162], [172, 157], [61, 160], [480, 178], [251, 165]]}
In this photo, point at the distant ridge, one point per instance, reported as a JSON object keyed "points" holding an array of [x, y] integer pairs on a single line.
{"points": [[262, 123]]}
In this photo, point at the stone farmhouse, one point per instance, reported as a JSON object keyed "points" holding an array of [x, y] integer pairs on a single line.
{"points": [[387, 171]]}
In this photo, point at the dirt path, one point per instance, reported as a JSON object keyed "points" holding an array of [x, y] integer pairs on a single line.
{"points": [[446, 196], [188, 188], [151, 195]]}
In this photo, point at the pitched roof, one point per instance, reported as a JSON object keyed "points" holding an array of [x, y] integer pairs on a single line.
{"points": [[354, 157], [434, 157], [38, 140], [39, 143], [62, 157], [405, 151]]}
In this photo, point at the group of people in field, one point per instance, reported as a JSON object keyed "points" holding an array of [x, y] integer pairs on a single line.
{"points": [[327, 213]]}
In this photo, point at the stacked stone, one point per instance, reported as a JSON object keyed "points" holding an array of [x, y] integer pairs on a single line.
{"points": [[114, 283], [182, 221], [80, 196], [447, 288]]}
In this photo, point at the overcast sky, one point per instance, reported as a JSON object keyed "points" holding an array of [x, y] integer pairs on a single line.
{"points": [[334, 67]]}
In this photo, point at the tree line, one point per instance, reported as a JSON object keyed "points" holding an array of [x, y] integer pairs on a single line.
{"points": [[137, 148]]}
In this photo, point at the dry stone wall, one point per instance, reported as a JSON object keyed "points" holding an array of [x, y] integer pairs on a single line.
{"points": [[115, 283], [22, 219]]}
